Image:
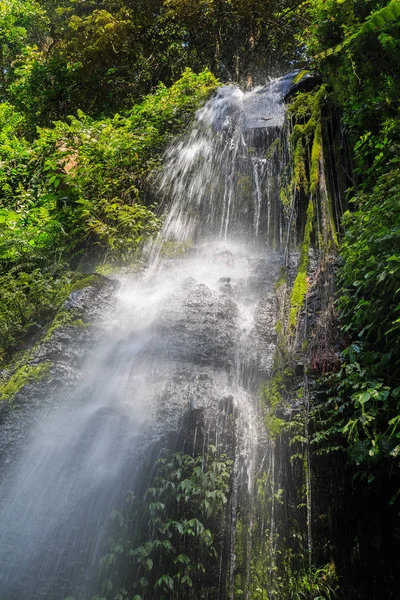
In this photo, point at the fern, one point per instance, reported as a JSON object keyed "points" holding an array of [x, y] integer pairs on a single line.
{"points": [[391, 47], [379, 19], [388, 15]]}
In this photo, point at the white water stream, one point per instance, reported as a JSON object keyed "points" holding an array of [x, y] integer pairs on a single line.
{"points": [[194, 332]]}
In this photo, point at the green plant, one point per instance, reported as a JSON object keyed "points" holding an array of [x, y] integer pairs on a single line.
{"points": [[299, 289], [319, 584], [79, 188], [179, 514], [24, 375], [28, 300]]}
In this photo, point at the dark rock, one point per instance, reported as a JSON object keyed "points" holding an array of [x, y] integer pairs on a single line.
{"points": [[306, 84], [299, 370], [200, 325], [227, 404], [188, 283]]}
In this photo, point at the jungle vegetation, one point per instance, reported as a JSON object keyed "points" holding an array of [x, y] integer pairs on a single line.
{"points": [[91, 92]]}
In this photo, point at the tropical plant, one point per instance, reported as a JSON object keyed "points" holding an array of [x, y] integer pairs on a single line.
{"points": [[172, 554]]}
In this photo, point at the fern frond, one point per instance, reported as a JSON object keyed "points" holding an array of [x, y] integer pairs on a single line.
{"points": [[388, 15]]}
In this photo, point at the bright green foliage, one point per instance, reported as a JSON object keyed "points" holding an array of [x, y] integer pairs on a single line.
{"points": [[357, 46], [103, 55], [299, 289], [21, 22], [370, 276], [275, 399], [43, 87], [378, 20], [366, 407], [24, 375], [27, 301], [359, 54], [179, 515], [87, 178], [81, 186], [320, 584]]}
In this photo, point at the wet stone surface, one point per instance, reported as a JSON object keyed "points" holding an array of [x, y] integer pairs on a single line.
{"points": [[201, 325], [65, 351]]}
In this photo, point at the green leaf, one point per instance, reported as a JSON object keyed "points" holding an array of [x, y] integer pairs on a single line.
{"points": [[165, 581], [186, 579]]}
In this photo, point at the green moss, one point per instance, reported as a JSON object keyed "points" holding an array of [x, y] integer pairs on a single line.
{"points": [[332, 223], [300, 107], [86, 281], [285, 196], [25, 374], [306, 110], [316, 154], [282, 278], [273, 401], [79, 323], [300, 284], [276, 145], [297, 298], [298, 132], [63, 317], [300, 76], [27, 298], [299, 173], [274, 426]]}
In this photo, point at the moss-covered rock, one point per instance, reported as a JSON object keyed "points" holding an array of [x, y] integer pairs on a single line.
{"points": [[23, 376], [299, 289]]}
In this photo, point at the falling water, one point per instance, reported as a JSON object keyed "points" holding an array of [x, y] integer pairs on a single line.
{"points": [[193, 334]]}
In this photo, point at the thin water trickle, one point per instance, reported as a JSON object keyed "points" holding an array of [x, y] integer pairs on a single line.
{"points": [[193, 332]]}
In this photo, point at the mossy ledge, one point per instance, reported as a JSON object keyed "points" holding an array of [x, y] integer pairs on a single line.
{"points": [[23, 376], [32, 365], [299, 290]]}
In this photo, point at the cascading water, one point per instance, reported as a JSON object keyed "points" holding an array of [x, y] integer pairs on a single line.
{"points": [[181, 364]]}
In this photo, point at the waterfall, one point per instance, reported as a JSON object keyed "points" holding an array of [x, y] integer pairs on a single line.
{"points": [[177, 368]]}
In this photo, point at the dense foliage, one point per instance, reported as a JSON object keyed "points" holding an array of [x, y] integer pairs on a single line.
{"points": [[60, 55], [79, 194], [91, 92], [165, 542], [356, 46]]}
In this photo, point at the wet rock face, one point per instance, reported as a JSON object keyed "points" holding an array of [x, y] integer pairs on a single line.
{"points": [[190, 392], [229, 103], [65, 351], [265, 333], [307, 83], [200, 326], [68, 346], [215, 325]]}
